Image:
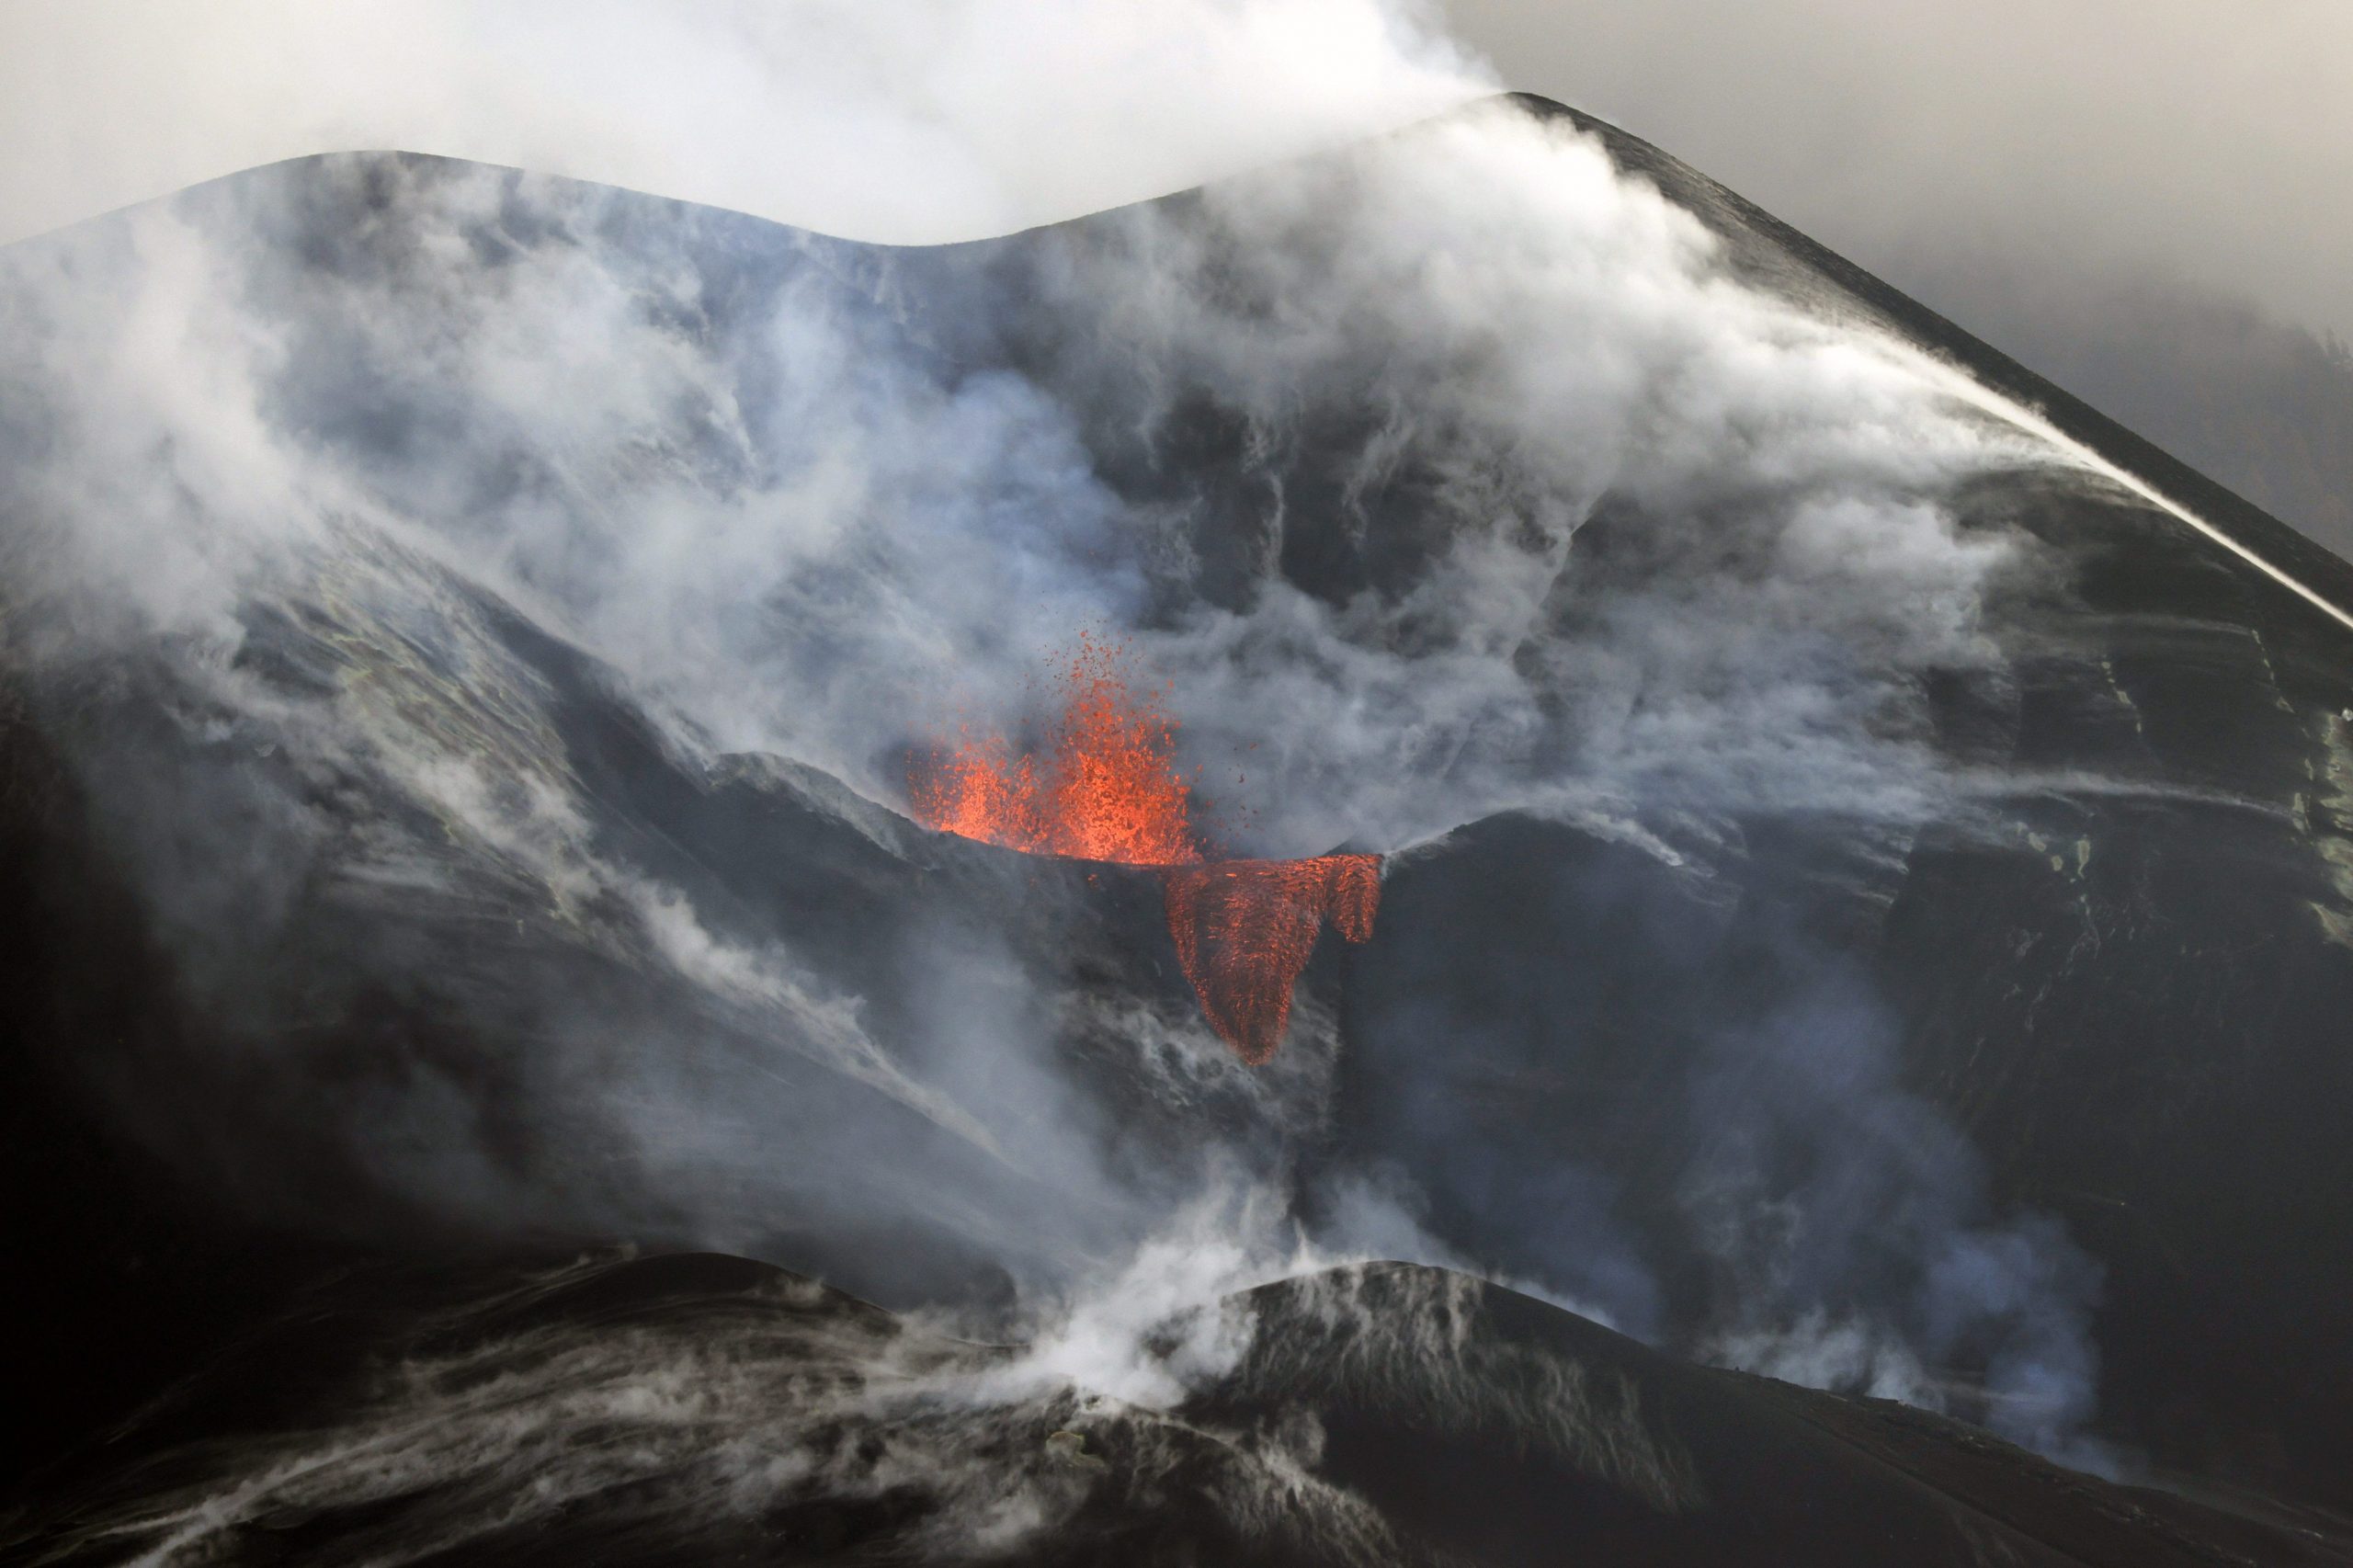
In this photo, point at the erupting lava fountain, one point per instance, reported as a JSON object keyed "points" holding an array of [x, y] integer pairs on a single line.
{"points": [[1105, 787]]}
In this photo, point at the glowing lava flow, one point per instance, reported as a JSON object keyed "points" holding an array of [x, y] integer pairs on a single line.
{"points": [[1105, 787], [1244, 930]]}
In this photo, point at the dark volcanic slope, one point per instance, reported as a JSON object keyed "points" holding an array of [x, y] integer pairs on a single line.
{"points": [[1867, 896], [2133, 994], [702, 1409]]}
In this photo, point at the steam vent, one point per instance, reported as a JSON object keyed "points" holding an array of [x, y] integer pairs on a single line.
{"points": [[1103, 786]]}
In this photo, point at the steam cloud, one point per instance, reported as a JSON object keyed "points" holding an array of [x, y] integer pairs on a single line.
{"points": [[944, 121], [1453, 474]]}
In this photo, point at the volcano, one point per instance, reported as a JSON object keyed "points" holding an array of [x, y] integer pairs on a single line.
{"points": [[530, 1037]]}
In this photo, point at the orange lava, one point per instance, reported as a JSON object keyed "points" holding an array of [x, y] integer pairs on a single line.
{"points": [[1244, 928], [1105, 787]]}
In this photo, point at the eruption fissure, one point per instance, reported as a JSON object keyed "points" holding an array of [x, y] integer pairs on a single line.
{"points": [[1103, 785]]}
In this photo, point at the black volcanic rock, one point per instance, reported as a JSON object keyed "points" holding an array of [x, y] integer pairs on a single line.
{"points": [[1385, 1412]]}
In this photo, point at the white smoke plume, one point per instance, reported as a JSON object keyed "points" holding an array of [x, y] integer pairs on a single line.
{"points": [[800, 529], [1449, 476], [940, 119]]}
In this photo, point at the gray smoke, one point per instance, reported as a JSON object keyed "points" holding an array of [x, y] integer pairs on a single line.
{"points": [[941, 120], [1330, 445], [1866, 1254]]}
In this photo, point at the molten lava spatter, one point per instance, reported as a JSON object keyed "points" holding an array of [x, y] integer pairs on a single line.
{"points": [[1244, 928], [1105, 787]]}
